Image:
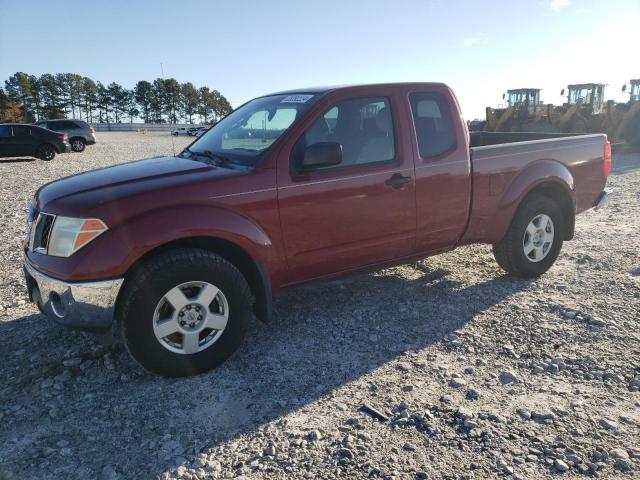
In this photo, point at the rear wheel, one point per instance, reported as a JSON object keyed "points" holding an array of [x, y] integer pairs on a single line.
{"points": [[77, 144], [184, 312], [45, 152], [534, 238]]}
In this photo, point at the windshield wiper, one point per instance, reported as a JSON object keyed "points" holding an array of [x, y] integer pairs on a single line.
{"points": [[215, 159]]}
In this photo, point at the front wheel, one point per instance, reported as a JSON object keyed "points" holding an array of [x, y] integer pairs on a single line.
{"points": [[46, 152], [184, 312], [534, 238]]}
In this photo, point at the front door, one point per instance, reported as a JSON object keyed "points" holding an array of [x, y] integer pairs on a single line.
{"points": [[359, 212]]}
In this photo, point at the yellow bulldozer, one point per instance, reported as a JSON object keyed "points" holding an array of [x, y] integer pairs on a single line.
{"points": [[522, 112]]}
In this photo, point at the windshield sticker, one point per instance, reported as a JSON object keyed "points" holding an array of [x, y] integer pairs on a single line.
{"points": [[296, 99]]}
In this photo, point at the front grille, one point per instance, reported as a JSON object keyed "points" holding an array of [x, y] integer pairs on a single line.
{"points": [[41, 232]]}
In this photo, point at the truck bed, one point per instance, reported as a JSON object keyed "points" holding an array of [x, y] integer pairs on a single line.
{"points": [[501, 161]]}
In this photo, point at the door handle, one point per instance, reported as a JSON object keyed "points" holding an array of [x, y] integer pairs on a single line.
{"points": [[397, 180]]}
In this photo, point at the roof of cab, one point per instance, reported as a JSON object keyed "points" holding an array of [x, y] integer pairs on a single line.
{"points": [[331, 88]]}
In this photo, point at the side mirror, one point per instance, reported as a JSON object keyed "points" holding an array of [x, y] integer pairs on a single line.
{"points": [[504, 95], [322, 154], [562, 92], [624, 87]]}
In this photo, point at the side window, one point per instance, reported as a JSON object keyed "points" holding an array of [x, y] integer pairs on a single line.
{"points": [[5, 131], [363, 126], [433, 124], [20, 131], [60, 126]]}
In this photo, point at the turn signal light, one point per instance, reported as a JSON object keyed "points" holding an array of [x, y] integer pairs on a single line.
{"points": [[90, 229]]}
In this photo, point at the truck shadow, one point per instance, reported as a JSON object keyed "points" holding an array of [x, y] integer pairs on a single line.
{"points": [[324, 337]]}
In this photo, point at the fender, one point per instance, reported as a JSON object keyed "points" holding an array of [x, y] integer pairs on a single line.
{"points": [[534, 175], [114, 252]]}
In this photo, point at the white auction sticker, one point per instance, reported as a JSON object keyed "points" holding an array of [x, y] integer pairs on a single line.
{"points": [[296, 98]]}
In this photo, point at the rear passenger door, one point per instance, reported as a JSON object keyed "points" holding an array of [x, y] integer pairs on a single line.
{"points": [[443, 169], [23, 142], [360, 212]]}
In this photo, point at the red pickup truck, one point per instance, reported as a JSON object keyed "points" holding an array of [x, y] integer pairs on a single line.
{"points": [[175, 253]]}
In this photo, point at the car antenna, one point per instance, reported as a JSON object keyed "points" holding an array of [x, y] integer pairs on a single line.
{"points": [[173, 143]]}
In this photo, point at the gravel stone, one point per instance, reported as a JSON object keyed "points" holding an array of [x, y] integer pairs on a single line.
{"points": [[608, 424], [560, 465], [508, 377]]}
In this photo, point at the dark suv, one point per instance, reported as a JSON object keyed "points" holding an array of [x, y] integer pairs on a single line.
{"points": [[80, 132], [31, 141]]}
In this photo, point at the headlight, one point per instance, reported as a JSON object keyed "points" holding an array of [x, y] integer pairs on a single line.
{"points": [[69, 235]]}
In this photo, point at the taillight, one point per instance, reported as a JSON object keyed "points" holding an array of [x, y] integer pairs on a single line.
{"points": [[62, 137], [606, 165], [92, 130]]}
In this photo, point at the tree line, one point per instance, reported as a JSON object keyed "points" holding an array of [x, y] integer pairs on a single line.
{"points": [[28, 98]]}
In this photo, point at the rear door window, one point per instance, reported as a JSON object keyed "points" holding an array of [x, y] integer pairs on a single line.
{"points": [[60, 126], [21, 131], [434, 129], [5, 131]]}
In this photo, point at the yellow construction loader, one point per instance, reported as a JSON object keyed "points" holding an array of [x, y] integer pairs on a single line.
{"points": [[522, 112], [628, 127]]}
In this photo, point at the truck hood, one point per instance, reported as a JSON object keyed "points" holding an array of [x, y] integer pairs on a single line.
{"points": [[88, 190]]}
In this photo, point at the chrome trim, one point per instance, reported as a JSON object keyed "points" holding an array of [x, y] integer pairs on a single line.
{"points": [[34, 229], [603, 199], [83, 305]]}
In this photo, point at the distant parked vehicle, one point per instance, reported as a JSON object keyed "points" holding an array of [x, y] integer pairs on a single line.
{"points": [[180, 131], [18, 140], [192, 131], [80, 132], [201, 131]]}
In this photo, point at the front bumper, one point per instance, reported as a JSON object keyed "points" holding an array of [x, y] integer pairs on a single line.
{"points": [[85, 306]]}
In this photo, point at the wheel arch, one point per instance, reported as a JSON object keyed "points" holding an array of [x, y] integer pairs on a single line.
{"points": [[253, 270], [562, 198], [545, 177]]}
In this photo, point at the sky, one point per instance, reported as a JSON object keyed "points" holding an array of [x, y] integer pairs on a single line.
{"points": [[250, 48]]}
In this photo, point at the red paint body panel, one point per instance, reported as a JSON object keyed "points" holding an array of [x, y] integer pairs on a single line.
{"points": [[504, 174], [324, 223]]}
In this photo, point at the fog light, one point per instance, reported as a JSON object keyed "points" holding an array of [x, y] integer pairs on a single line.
{"points": [[57, 305]]}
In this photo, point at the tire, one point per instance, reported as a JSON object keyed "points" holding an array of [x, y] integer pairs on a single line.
{"points": [[144, 303], [77, 144], [46, 152], [521, 252]]}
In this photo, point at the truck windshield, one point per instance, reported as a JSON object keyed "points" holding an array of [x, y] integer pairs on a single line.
{"points": [[246, 134]]}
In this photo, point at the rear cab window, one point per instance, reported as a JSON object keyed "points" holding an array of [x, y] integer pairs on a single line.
{"points": [[432, 121]]}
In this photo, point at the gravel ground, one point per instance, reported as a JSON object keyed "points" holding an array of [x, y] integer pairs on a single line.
{"points": [[446, 368]]}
